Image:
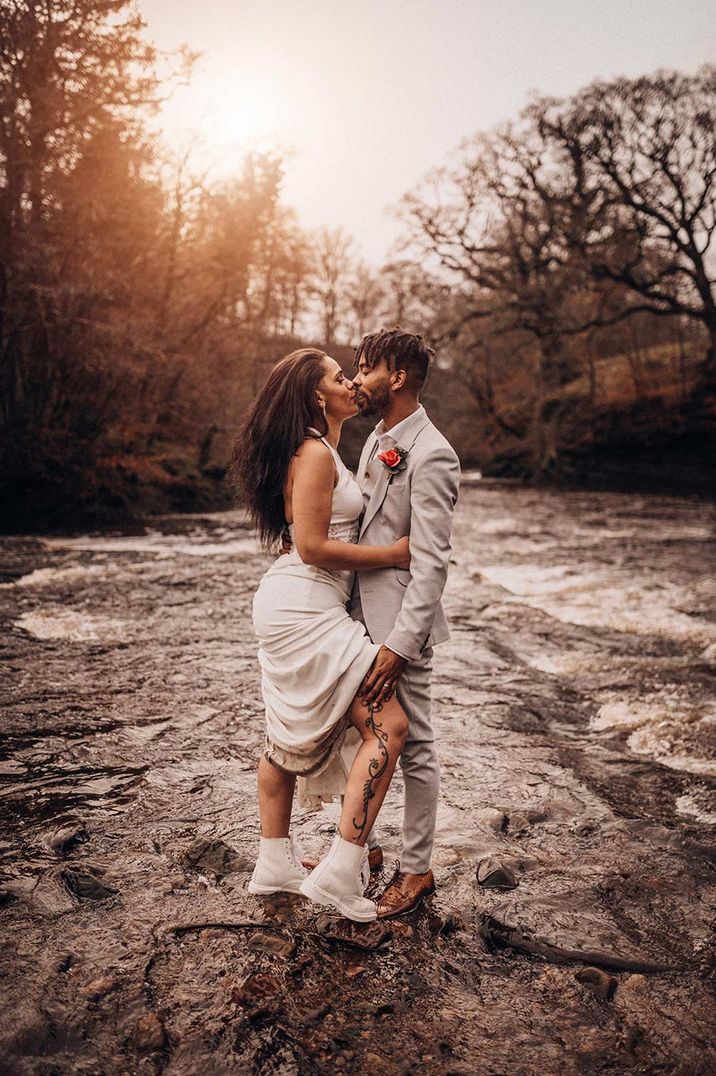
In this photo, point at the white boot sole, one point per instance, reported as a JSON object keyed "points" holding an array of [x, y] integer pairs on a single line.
{"points": [[266, 890], [319, 896]]}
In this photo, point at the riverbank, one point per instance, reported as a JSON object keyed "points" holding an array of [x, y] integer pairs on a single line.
{"points": [[575, 719]]}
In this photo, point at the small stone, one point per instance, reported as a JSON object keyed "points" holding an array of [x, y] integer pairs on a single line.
{"points": [[270, 943], [85, 883], [493, 819], [360, 935], [98, 988], [601, 984], [66, 837], [255, 988], [149, 1033], [495, 875], [518, 822], [633, 984], [204, 854]]}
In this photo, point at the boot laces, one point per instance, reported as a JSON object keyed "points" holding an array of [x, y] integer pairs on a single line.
{"points": [[295, 854]]}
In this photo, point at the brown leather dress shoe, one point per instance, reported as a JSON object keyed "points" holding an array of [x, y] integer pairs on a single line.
{"points": [[404, 893]]}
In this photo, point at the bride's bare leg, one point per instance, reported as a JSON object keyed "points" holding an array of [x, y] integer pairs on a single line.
{"points": [[383, 733], [275, 799]]}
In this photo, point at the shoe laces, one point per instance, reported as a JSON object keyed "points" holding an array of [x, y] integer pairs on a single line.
{"points": [[397, 880], [296, 855]]}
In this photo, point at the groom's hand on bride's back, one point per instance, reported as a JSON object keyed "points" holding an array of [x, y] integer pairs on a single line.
{"points": [[380, 681]]}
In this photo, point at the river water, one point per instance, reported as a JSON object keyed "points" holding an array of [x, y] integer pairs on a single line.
{"points": [[576, 719]]}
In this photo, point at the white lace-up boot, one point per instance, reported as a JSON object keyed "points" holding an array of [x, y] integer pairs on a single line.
{"points": [[278, 868], [338, 882]]}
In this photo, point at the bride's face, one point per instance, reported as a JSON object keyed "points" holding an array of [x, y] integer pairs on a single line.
{"points": [[336, 391]]}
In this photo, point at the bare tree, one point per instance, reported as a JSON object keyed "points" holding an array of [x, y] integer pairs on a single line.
{"points": [[642, 154], [364, 299], [333, 263], [489, 222]]}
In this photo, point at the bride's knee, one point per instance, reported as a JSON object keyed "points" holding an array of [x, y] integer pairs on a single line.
{"points": [[390, 719]]}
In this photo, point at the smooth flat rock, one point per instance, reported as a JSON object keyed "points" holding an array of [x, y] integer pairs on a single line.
{"points": [[564, 928]]}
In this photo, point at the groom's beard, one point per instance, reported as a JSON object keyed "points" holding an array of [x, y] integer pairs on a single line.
{"points": [[376, 404]]}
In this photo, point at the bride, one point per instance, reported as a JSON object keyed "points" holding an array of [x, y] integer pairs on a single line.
{"points": [[313, 656]]}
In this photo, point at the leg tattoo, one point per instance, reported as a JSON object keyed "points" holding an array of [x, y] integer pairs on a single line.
{"points": [[376, 767]]}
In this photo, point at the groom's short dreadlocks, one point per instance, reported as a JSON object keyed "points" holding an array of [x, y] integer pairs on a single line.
{"points": [[401, 351]]}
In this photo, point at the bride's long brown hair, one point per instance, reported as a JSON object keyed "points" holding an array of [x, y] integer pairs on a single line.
{"points": [[274, 429]]}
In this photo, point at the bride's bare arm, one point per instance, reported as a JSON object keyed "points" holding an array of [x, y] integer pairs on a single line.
{"points": [[313, 473]]}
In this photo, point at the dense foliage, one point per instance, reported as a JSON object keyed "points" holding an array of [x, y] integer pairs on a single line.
{"points": [[563, 265]]}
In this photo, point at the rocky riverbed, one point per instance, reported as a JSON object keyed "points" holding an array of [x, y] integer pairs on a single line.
{"points": [[572, 930]]}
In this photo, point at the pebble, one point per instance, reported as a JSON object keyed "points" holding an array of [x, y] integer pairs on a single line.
{"points": [[493, 819], [601, 984], [85, 883], [66, 837], [269, 943], [98, 988], [215, 855], [492, 874]]}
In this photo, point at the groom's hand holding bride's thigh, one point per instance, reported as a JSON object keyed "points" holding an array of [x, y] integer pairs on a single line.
{"points": [[380, 681]]}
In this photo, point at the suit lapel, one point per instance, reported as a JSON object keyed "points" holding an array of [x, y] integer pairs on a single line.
{"points": [[381, 487], [368, 447], [376, 498]]}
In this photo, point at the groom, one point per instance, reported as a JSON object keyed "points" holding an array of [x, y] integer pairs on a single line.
{"points": [[409, 475]]}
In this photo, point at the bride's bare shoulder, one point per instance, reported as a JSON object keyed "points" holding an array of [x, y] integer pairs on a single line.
{"points": [[313, 454]]}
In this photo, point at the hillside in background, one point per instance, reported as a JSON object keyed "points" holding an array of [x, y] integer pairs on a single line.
{"points": [[626, 427]]}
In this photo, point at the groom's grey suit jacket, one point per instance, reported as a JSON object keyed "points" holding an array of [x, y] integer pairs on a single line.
{"points": [[402, 608]]}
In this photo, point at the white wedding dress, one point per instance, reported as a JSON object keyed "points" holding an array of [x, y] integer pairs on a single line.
{"points": [[313, 657]]}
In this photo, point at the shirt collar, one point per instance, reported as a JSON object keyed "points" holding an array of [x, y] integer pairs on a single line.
{"points": [[402, 429]]}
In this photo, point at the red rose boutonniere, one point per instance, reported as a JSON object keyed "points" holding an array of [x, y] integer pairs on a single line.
{"points": [[393, 459]]}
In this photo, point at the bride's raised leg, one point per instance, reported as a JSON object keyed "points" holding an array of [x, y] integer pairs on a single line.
{"points": [[383, 731], [337, 880]]}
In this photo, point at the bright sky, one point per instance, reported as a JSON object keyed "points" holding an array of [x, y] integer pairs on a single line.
{"points": [[368, 95]]}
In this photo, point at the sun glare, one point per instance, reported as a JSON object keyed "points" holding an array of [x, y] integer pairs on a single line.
{"points": [[222, 114]]}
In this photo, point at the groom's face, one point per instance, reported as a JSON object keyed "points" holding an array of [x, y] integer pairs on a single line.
{"points": [[372, 388]]}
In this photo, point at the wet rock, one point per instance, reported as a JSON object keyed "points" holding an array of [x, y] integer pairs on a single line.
{"points": [[62, 840], [564, 928], [148, 1034], [358, 935], [46, 895], [257, 987], [270, 943], [206, 854], [493, 819], [85, 882], [492, 874], [597, 981], [517, 822], [98, 988]]}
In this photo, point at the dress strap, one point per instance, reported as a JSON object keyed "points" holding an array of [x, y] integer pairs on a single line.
{"points": [[337, 461]]}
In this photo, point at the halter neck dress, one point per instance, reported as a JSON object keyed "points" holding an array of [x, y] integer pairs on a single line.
{"points": [[313, 657]]}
